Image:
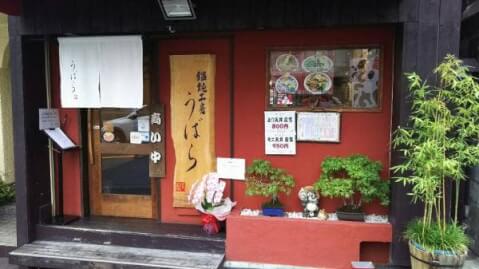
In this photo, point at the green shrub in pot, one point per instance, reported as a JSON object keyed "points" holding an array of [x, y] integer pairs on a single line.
{"points": [[265, 180], [440, 140], [356, 180]]}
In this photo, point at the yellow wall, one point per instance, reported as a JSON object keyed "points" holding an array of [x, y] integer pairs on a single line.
{"points": [[6, 132]]}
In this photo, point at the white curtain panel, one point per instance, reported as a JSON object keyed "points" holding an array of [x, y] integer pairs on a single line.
{"points": [[79, 72], [101, 72], [121, 71]]}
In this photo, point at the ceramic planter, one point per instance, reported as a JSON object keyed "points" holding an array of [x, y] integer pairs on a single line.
{"points": [[273, 211], [350, 216]]}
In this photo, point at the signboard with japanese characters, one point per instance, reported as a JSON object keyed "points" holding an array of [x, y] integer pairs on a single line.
{"points": [[192, 121], [280, 132], [157, 132]]}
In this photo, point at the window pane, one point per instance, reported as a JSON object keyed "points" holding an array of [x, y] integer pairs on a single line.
{"points": [[125, 175], [325, 79], [118, 124]]}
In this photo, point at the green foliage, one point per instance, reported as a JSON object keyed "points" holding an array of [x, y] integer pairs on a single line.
{"points": [[451, 239], [7, 192], [266, 180], [343, 177], [440, 139]]}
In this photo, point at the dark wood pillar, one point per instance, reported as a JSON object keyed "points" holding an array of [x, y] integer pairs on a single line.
{"points": [[30, 144], [24, 229], [430, 31]]}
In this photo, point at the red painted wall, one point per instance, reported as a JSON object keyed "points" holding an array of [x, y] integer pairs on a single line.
{"points": [[304, 242], [361, 132], [70, 123]]}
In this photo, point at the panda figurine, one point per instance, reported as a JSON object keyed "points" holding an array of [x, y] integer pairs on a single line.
{"points": [[309, 199]]}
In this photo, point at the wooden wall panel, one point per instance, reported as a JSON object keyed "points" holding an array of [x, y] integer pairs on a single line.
{"points": [[124, 16]]}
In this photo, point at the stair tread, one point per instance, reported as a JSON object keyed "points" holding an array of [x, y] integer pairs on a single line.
{"points": [[67, 252]]}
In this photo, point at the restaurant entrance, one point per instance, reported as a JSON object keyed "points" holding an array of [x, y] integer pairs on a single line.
{"points": [[119, 180]]}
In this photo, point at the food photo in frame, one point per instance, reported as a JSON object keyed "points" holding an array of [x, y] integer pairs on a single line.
{"points": [[325, 79]]}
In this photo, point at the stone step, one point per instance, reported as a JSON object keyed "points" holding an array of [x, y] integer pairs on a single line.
{"points": [[134, 233], [56, 254]]}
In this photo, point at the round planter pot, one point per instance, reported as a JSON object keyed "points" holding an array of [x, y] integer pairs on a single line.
{"points": [[350, 216], [421, 259], [273, 211]]}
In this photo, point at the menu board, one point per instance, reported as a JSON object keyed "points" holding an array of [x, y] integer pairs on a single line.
{"points": [[280, 132], [319, 126]]}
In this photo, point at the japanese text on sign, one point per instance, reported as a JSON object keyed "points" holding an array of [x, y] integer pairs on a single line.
{"points": [[192, 120], [280, 132]]}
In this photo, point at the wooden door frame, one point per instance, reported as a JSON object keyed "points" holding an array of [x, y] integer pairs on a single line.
{"points": [[98, 199]]}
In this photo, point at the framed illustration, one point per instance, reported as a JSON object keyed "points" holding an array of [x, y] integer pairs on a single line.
{"points": [[319, 127], [324, 79]]}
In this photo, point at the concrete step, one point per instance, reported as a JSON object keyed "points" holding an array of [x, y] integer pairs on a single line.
{"points": [[56, 254]]}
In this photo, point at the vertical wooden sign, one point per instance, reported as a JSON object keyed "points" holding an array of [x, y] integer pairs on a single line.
{"points": [[157, 141], [192, 121]]}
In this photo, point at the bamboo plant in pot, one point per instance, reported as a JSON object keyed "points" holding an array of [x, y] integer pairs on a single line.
{"points": [[356, 180], [265, 180], [439, 141]]}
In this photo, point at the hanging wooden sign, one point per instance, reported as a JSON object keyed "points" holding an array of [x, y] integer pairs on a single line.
{"points": [[192, 121], [157, 133]]}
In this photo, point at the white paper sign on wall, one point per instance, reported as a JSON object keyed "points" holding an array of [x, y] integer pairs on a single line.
{"points": [[231, 168], [280, 132]]}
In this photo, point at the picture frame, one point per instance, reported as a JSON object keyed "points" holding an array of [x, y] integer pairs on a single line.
{"points": [[295, 75]]}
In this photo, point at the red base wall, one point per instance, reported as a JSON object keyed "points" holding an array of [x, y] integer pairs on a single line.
{"points": [[301, 242]]}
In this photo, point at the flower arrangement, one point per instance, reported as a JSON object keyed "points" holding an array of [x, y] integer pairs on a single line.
{"points": [[206, 195]]}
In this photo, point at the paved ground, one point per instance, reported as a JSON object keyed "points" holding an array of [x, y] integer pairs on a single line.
{"points": [[4, 264], [472, 262], [8, 228]]}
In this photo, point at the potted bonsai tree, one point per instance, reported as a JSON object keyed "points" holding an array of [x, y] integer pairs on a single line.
{"points": [[356, 180], [265, 180], [439, 141]]}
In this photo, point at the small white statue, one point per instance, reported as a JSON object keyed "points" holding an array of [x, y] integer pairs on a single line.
{"points": [[309, 199], [322, 215]]}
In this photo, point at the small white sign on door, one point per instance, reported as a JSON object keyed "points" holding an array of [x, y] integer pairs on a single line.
{"points": [[136, 138]]}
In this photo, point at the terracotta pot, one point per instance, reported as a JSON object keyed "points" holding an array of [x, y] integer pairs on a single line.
{"points": [[421, 259]]}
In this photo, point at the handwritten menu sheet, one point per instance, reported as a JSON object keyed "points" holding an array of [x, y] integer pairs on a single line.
{"points": [[319, 126]]}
